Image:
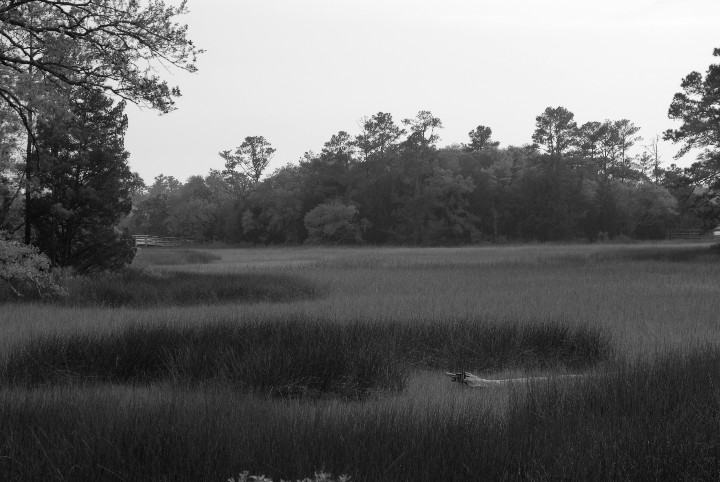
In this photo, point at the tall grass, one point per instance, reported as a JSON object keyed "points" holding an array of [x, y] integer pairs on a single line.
{"points": [[173, 256], [646, 422], [299, 357], [144, 288]]}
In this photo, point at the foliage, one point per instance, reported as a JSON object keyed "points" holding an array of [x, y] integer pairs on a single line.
{"points": [[245, 167], [480, 139], [84, 186], [697, 107], [333, 223], [113, 42], [393, 185], [379, 134], [25, 271], [10, 179], [555, 130]]}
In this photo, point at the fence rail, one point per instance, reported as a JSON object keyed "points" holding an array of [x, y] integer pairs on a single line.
{"points": [[161, 242]]}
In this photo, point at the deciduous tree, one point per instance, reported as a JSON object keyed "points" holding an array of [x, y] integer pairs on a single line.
{"points": [[245, 166], [116, 46]]}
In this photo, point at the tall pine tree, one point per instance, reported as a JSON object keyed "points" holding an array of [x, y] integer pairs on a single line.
{"points": [[85, 186]]}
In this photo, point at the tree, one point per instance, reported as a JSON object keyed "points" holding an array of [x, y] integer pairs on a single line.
{"points": [[449, 220], [423, 127], [480, 138], [379, 133], [275, 214], [152, 207], [626, 138], [589, 139], [655, 209], [652, 163], [50, 47], [698, 108], [248, 162], [340, 148], [84, 186], [555, 130], [10, 169]]}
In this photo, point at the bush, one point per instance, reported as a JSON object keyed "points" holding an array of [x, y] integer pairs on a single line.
{"points": [[25, 272], [333, 223]]}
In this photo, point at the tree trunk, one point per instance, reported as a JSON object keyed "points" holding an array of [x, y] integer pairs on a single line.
{"points": [[28, 180]]}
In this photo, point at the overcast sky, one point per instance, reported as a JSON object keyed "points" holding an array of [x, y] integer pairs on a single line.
{"points": [[297, 72]]}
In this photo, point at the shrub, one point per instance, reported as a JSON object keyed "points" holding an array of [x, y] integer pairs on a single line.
{"points": [[333, 223], [25, 272]]}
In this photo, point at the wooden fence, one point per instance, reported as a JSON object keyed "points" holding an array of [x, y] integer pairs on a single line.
{"points": [[161, 242]]}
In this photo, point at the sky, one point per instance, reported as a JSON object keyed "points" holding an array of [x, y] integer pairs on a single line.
{"points": [[297, 72]]}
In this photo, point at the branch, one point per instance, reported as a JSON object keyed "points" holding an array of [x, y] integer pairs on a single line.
{"points": [[474, 381]]}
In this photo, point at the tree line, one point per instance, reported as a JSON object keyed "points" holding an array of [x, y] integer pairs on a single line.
{"points": [[392, 183]]}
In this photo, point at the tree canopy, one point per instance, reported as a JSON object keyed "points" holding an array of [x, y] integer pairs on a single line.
{"points": [[698, 108], [389, 184], [110, 45]]}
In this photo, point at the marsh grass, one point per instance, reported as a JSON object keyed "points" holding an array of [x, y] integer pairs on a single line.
{"points": [[149, 288], [299, 356], [648, 421], [631, 315], [695, 253], [173, 256]]}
